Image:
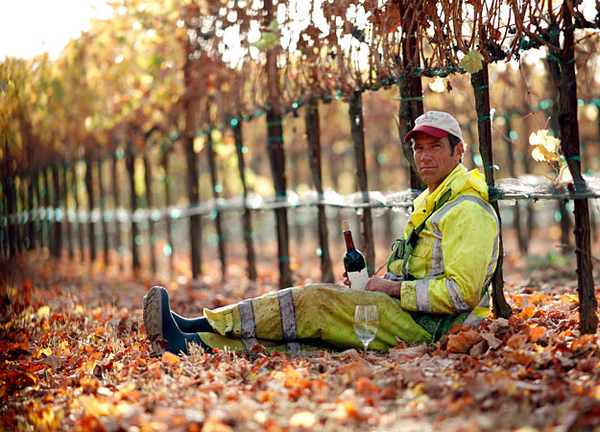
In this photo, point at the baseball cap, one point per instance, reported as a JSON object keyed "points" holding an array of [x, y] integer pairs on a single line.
{"points": [[437, 124]]}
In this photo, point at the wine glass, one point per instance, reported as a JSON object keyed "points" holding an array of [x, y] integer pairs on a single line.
{"points": [[366, 324]]}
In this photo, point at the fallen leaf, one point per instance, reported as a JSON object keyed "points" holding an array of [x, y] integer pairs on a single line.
{"points": [[492, 340], [214, 425], [347, 410], [463, 341], [53, 361], [169, 357], [402, 354], [521, 357], [95, 407], [479, 348], [536, 332], [44, 352], [304, 419], [366, 387], [517, 341], [43, 311]]}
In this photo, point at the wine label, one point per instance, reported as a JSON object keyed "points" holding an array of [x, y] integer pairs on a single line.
{"points": [[358, 280]]}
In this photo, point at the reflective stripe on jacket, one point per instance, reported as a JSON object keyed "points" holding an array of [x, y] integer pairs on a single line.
{"points": [[456, 254]]}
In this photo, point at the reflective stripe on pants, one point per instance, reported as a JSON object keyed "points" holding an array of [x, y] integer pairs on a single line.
{"points": [[324, 312]]}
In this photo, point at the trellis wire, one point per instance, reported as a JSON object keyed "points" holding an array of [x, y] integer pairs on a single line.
{"points": [[505, 189]]}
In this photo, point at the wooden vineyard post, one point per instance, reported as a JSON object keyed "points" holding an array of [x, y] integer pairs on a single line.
{"points": [[168, 220], [277, 159], [358, 138], [554, 68], [38, 221], [150, 206], [480, 82], [58, 218], [236, 124], [216, 195], [410, 89], [190, 112], [411, 107], [521, 238], [80, 237], [566, 82], [4, 222], [46, 206], [11, 211], [22, 208], [48, 224], [25, 241], [130, 163], [115, 194], [277, 154], [30, 208], [18, 200], [102, 200], [313, 136], [51, 193], [21, 205], [69, 226], [194, 201], [89, 187]]}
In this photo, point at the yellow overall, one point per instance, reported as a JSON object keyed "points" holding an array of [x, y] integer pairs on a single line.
{"points": [[446, 280]]}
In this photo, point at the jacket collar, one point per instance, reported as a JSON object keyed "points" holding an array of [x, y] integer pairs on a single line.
{"points": [[459, 180]]}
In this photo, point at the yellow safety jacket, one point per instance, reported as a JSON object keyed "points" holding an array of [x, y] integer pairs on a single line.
{"points": [[451, 264], [449, 270]]}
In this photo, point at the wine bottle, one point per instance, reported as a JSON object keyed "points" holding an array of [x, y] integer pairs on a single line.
{"points": [[354, 261]]}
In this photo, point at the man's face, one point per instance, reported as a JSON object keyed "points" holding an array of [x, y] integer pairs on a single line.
{"points": [[434, 158]]}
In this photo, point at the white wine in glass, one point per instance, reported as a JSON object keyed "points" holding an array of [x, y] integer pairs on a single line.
{"points": [[366, 324]]}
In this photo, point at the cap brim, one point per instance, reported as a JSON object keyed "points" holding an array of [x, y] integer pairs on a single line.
{"points": [[429, 130]]}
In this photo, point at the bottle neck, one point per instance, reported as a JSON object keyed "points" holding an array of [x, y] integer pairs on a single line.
{"points": [[349, 241]]}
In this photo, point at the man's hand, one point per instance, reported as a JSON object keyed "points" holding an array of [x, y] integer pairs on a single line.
{"points": [[346, 280], [389, 287]]}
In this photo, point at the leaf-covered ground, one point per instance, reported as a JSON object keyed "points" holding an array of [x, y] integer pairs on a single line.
{"points": [[73, 357]]}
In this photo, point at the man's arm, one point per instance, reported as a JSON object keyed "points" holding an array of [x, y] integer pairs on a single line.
{"points": [[467, 248], [390, 287]]}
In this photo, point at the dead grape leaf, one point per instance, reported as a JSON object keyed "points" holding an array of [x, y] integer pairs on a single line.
{"points": [[43, 311], [366, 387], [402, 354], [437, 85], [463, 341], [536, 332], [517, 341], [521, 357], [545, 146], [170, 358], [472, 62]]}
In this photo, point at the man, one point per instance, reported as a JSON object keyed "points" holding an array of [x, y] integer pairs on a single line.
{"points": [[438, 273]]}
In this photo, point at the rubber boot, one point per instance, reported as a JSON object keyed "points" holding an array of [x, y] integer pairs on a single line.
{"points": [[161, 328], [189, 325]]}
